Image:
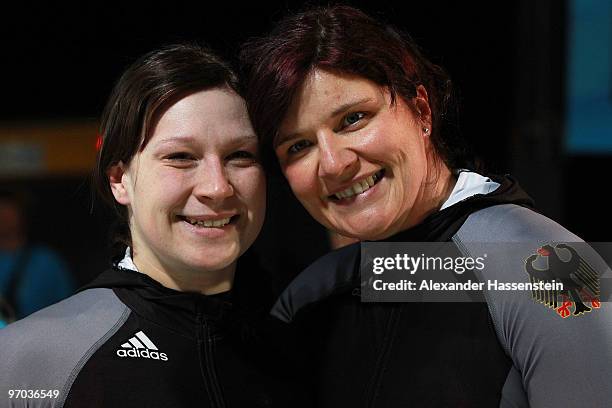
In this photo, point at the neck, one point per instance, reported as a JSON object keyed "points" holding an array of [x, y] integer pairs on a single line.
{"points": [[198, 281], [435, 192], [441, 188], [447, 183]]}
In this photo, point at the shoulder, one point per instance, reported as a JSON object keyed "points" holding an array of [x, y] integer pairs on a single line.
{"points": [[85, 315], [512, 223], [547, 333], [46, 348], [97, 303], [330, 274]]}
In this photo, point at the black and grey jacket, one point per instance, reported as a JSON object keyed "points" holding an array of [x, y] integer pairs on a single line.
{"points": [[509, 351], [127, 341]]}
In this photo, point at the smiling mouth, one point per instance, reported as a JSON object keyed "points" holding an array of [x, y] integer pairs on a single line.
{"points": [[218, 223], [359, 187]]}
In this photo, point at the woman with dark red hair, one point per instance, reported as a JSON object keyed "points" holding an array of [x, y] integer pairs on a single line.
{"points": [[362, 127]]}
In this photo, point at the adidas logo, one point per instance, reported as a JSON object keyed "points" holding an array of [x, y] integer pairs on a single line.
{"points": [[141, 346]]}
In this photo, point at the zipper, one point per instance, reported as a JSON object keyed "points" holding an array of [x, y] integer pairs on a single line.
{"points": [[384, 355], [207, 362]]}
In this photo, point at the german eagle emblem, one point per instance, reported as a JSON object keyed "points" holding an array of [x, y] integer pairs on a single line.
{"points": [[580, 281]]}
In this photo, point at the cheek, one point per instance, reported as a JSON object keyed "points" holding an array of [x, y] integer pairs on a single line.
{"points": [[160, 182], [302, 178], [250, 184], [405, 154]]}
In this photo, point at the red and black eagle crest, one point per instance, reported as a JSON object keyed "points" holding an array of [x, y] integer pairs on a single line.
{"points": [[580, 281]]}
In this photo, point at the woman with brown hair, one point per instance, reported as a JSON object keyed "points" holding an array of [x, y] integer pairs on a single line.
{"points": [[179, 319], [362, 126]]}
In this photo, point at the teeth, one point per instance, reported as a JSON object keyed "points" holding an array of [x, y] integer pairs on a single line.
{"points": [[359, 187], [209, 223]]}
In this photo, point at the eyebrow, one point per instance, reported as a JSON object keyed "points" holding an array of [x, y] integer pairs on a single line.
{"points": [[190, 139], [343, 108], [175, 139], [249, 137], [277, 141]]}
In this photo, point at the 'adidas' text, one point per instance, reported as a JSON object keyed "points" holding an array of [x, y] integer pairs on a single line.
{"points": [[141, 346]]}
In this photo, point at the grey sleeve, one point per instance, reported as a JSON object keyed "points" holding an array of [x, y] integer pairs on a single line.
{"points": [[46, 350], [560, 361]]}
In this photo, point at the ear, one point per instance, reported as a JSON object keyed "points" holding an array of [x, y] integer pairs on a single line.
{"points": [[421, 101], [118, 179]]}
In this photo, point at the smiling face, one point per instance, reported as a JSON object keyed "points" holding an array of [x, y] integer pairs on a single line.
{"points": [[196, 192], [360, 165]]}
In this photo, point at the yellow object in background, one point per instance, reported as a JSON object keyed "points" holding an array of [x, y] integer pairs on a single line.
{"points": [[47, 148]]}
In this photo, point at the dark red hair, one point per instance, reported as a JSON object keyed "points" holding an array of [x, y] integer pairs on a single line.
{"points": [[344, 39]]}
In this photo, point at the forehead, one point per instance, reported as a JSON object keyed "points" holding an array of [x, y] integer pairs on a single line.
{"points": [[323, 93], [213, 114]]}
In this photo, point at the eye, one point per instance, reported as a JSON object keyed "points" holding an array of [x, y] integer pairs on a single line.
{"points": [[180, 156], [351, 119], [242, 154], [242, 158], [299, 146]]}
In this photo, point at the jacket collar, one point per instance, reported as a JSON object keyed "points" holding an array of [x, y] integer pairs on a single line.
{"points": [[338, 272], [182, 311]]}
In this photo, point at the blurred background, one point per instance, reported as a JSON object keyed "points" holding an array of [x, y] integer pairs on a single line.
{"points": [[534, 79]]}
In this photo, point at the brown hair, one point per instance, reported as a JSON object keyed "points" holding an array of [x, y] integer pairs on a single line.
{"points": [[144, 91], [344, 39]]}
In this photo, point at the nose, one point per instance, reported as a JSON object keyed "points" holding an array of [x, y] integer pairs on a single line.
{"points": [[212, 182], [336, 161]]}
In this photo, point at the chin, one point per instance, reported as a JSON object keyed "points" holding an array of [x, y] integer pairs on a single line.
{"points": [[361, 234], [373, 236], [362, 231], [213, 261], [211, 267]]}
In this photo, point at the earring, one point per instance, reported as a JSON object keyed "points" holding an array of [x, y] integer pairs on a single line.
{"points": [[426, 130]]}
